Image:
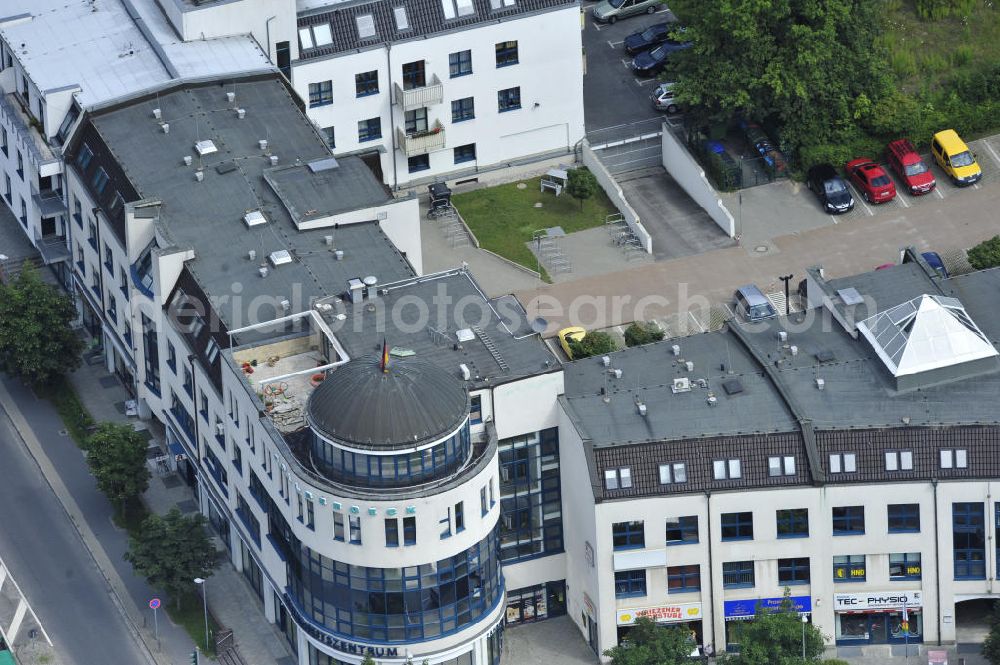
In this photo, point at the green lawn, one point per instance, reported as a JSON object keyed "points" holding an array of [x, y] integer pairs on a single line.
{"points": [[504, 217], [924, 54], [70, 409], [191, 617]]}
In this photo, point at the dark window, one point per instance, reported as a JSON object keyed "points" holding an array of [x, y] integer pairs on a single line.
{"points": [[338, 526], [905, 566], [849, 568], [904, 517], [366, 83], [737, 526], [628, 535], [370, 129], [848, 520], [530, 496], [506, 53], [320, 94], [416, 121], [969, 540], [418, 163], [459, 516], [630, 583], [355, 523], [84, 156], [20, 165], [463, 109], [465, 153], [445, 523], [509, 99], [737, 574], [683, 578], [793, 571], [283, 58], [460, 64], [682, 530], [409, 530], [330, 136], [151, 353], [100, 180], [413, 75], [392, 532], [793, 523], [476, 409]]}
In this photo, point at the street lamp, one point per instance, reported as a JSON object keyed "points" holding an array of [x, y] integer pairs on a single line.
{"points": [[204, 601], [805, 620]]}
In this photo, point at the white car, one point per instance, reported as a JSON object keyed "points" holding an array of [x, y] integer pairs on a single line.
{"points": [[663, 98]]}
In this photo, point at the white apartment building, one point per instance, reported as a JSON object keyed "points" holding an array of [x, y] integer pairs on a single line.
{"points": [[439, 89], [847, 454]]}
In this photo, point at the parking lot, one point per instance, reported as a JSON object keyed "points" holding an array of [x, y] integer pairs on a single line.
{"points": [[613, 97]]}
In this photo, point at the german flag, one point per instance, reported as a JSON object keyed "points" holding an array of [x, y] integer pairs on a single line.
{"points": [[385, 356]]}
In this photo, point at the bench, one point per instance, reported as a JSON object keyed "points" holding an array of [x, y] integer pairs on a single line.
{"points": [[549, 184]]}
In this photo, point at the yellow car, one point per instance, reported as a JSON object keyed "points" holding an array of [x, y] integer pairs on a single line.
{"points": [[955, 158], [566, 335]]}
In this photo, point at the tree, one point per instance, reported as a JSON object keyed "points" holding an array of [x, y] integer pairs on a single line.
{"points": [[775, 638], [650, 644], [813, 68], [986, 254], [594, 344], [116, 455], [171, 551], [581, 184], [36, 341], [368, 660], [991, 645], [640, 333]]}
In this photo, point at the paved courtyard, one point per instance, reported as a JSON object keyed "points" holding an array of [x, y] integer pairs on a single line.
{"points": [[552, 642]]}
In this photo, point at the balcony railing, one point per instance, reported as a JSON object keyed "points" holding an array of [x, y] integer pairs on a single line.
{"points": [[50, 202], [416, 98], [52, 248], [421, 143]]}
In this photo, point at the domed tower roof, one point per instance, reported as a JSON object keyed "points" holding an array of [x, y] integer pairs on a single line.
{"points": [[410, 403]]}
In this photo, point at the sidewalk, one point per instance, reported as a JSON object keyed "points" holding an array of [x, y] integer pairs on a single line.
{"points": [[230, 599]]}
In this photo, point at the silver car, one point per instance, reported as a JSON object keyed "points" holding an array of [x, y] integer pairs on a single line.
{"points": [[663, 98], [609, 11]]}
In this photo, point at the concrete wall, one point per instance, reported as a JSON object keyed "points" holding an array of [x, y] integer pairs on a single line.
{"points": [[688, 173], [616, 195]]}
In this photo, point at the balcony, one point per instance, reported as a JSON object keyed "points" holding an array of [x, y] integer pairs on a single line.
{"points": [[416, 98], [12, 108], [50, 202], [421, 143], [53, 248]]}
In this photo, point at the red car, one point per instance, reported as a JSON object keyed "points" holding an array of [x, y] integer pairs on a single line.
{"points": [[871, 180], [909, 166]]}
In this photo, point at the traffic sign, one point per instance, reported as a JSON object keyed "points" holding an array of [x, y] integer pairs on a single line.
{"points": [[154, 603]]}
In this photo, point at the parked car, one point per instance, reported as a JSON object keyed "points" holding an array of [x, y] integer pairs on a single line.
{"points": [[910, 167], [871, 180], [934, 261], [752, 305], [566, 335], [651, 63], [830, 189], [646, 39], [955, 158], [609, 11], [663, 98]]}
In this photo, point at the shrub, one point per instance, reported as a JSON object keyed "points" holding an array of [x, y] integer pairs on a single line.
{"points": [[986, 254], [640, 333], [594, 344]]}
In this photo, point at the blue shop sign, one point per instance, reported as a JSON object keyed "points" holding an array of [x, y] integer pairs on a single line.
{"points": [[740, 609]]}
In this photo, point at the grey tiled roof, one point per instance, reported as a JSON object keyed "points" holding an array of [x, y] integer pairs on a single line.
{"points": [[425, 18]]}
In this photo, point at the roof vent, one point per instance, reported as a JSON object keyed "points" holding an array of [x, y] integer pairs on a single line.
{"points": [[641, 407], [782, 336], [205, 147], [712, 399], [675, 349], [338, 254], [230, 97], [187, 160], [241, 113], [285, 305], [616, 372], [262, 143], [794, 349], [606, 361], [274, 160], [165, 127], [262, 271], [254, 218], [820, 384], [682, 385], [328, 240], [252, 255], [199, 175], [465, 335], [464, 369], [689, 365], [280, 257], [157, 113]]}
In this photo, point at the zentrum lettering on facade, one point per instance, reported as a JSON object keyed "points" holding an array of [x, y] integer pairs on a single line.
{"points": [[334, 642]]}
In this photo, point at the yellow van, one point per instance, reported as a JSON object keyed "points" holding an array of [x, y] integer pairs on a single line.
{"points": [[955, 158]]}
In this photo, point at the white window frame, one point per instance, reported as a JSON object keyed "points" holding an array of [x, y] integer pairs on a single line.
{"points": [[781, 465], [899, 460], [727, 469], [619, 478], [673, 472], [954, 458], [843, 463]]}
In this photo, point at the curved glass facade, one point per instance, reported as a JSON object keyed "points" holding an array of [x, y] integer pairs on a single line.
{"points": [[396, 604], [437, 461]]}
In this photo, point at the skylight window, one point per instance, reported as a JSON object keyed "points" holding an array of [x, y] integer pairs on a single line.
{"points": [[306, 38], [402, 21], [205, 147], [449, 9], [465, 7], [322, 35], [366, 26]]}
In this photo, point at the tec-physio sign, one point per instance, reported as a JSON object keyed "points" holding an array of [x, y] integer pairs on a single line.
{"points": [[662, 614], [875, 601]]}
